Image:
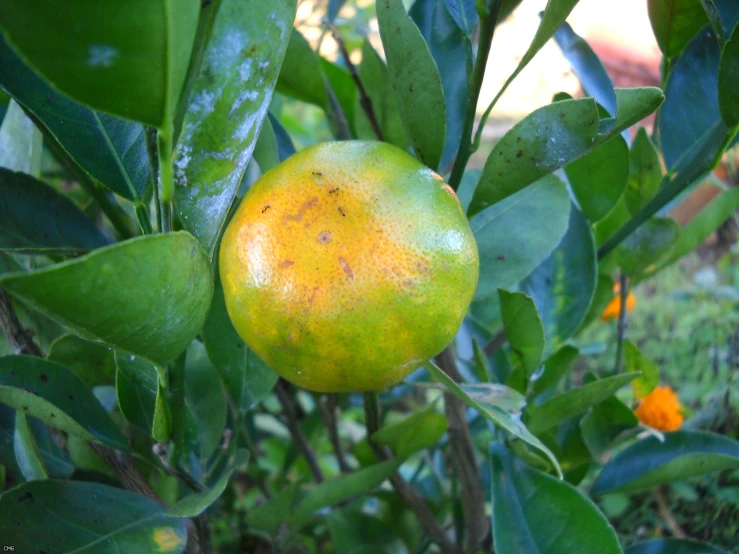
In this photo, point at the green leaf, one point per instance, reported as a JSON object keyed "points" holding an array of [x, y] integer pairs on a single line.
{"points": [[111, 150], [266, 153], [534, 512], [599, 178], [301, 75], [195, 504], [37, 219], [246, 377], [57, 396], [126, 59], [646, 246], [54, 457], [374, 76], [603, 424], [58, 516], [635, 360], [359, 533], [205, 397], [645, 172], [568, 404], [523, 328], [90, 361], [701, 226], [274, 513], [414, 433], [416, 80], [285, 146], [562, 286], [26, 451], [545, 140], [690, 119], [139, 395], [151, 294], [489, 406], [228, 104], [504, 262], [464, 14], [21, 143], [344, 88], [672, 546], [601, 298], [728, 80], [650, 462], [674, 23], [633, 105], [556, 366]]}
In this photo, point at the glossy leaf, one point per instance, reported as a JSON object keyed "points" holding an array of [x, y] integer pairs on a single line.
{"points": [[301, 76], [416, 81], [205, 397], [531, 510], [702, 225], [228, 104], [464, 13], [266, 153], [246, 377], [416, 432], [645, 172], [26, 451], [690, 118], [447, 44], [601, 298], [562, 286], [672, 546], [360, 533], [603, 424], [285, 146], [650, 462], [195, 504], [489, 406], [674, 23], [556, 367], [576, 401], [646, 246], [37, 219], [55, 395], [545, 140], [90, 361], [587, 67], [635, 360], [599, 178], [510, 247], [523, 328], [728, 80], [111, 150], [129, 59], [137, 389], [152, 294], [57, 516], [633, 105], [21, 142], [374, 76]]}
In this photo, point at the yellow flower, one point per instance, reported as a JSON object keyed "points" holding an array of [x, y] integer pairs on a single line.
{"points": [[613, 310], [661, 410]]}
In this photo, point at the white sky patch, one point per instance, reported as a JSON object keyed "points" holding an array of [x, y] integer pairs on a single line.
{"points": [[101, 55]]}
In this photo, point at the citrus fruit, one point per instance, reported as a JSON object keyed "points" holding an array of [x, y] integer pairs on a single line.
{"points": [[347, 266]]}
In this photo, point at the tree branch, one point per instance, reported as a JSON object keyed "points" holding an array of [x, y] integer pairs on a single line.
{"points": [[667, 516], [364, 99], [622, 323], [462, 453], [301, 442], [327, 405], [410, 497]]}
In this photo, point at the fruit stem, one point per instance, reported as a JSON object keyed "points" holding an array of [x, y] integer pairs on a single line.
{"points": [[487, 30]]}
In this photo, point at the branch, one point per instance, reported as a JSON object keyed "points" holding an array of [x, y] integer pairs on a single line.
{"points": [[462, 453], [622, 323], [495, 343], [666, 515], [19, 339], [328, 411], [410, 497], [292, 423], [364, 99]]}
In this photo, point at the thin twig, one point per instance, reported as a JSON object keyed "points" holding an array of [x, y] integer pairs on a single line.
{"points": [[495, 343], [407, 494], [666, 514], [327, 405], [301, 442], [364, 99], [462, 454], [19, 339], [622, 322]]}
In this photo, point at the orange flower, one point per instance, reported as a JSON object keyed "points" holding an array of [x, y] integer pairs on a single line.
{"points": [[661, 410], [613, 310]]}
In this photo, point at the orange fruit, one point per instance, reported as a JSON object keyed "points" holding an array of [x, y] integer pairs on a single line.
{"points": [[347, 266]]}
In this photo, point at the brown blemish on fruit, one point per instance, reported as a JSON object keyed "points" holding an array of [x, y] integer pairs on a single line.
{"points": [[286, 263], [334, 190], [346, 268], [267, 207], [301, 212], [324, 237], [342, 212]]}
